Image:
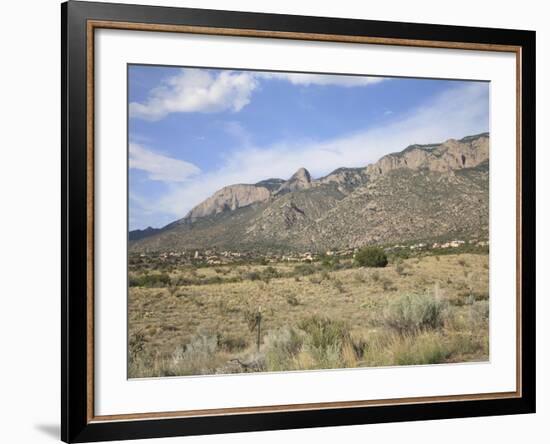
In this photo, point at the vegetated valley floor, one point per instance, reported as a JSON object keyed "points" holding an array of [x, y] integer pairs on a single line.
{"points": [[189, 320]]}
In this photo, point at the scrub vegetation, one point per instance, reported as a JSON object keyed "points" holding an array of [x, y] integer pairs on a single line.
{"points": [[371, 310]]}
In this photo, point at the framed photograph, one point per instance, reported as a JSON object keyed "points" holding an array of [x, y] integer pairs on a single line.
{"points": [[275, 221]]}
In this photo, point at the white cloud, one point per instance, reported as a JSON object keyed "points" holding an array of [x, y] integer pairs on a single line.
{"points": [[322, 79], [456, 113], [198, 90], [159, 167], [236, 130]]}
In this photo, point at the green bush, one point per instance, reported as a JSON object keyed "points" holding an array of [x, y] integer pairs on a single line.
{"points": [[323, 333], [371, 257], [270, 273], [330, 262], [150, 280], [304, 269], [316, 343]]}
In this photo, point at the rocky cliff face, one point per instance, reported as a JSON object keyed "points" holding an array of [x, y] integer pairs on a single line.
{"points": [[450, 155], [233, 197], [229, 198]]}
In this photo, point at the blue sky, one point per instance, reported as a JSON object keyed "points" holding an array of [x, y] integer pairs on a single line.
{"points": [[193, 131]]}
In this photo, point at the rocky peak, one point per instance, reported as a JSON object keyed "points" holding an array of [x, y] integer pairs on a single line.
{"points": [[300, 180], [447, 156], [229, 199]]}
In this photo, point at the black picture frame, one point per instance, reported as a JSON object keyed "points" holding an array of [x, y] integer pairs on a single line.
{"points": [[76, 423]]}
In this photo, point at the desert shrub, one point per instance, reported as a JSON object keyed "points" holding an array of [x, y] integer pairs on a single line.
{"points": [[253, 276], [147, 365], [376, 350], [269, 273], [431, 347], [338, 285], [316, 279], [304, 269], [331, 262], [197, 300], [387, 284], [233, 279], [468, 297], [328, 357], [411, 313], [371, 257], [400, 269], [338, 264], [479, 314], [401, 254], [323, 333], [151, 330], [212, 280], [281, 346], [136, 344], [232, 343], [469, 343], [458, 299], [317, 343], [421, 349], [385, 348], [328, 343], [149, 280], [198, 357], [292, 300], [172, 290], [481, 296]]}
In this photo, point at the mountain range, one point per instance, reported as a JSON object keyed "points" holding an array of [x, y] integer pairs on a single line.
{"points": [[424, 192]]}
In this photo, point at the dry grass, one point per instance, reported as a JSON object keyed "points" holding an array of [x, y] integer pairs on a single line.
{"points": [[417, 311]]}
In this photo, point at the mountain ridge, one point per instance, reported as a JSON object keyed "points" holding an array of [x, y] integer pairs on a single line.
{"points": [[302, 212]]}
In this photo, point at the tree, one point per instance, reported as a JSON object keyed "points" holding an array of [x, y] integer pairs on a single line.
{"points": [[371, 257]]}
